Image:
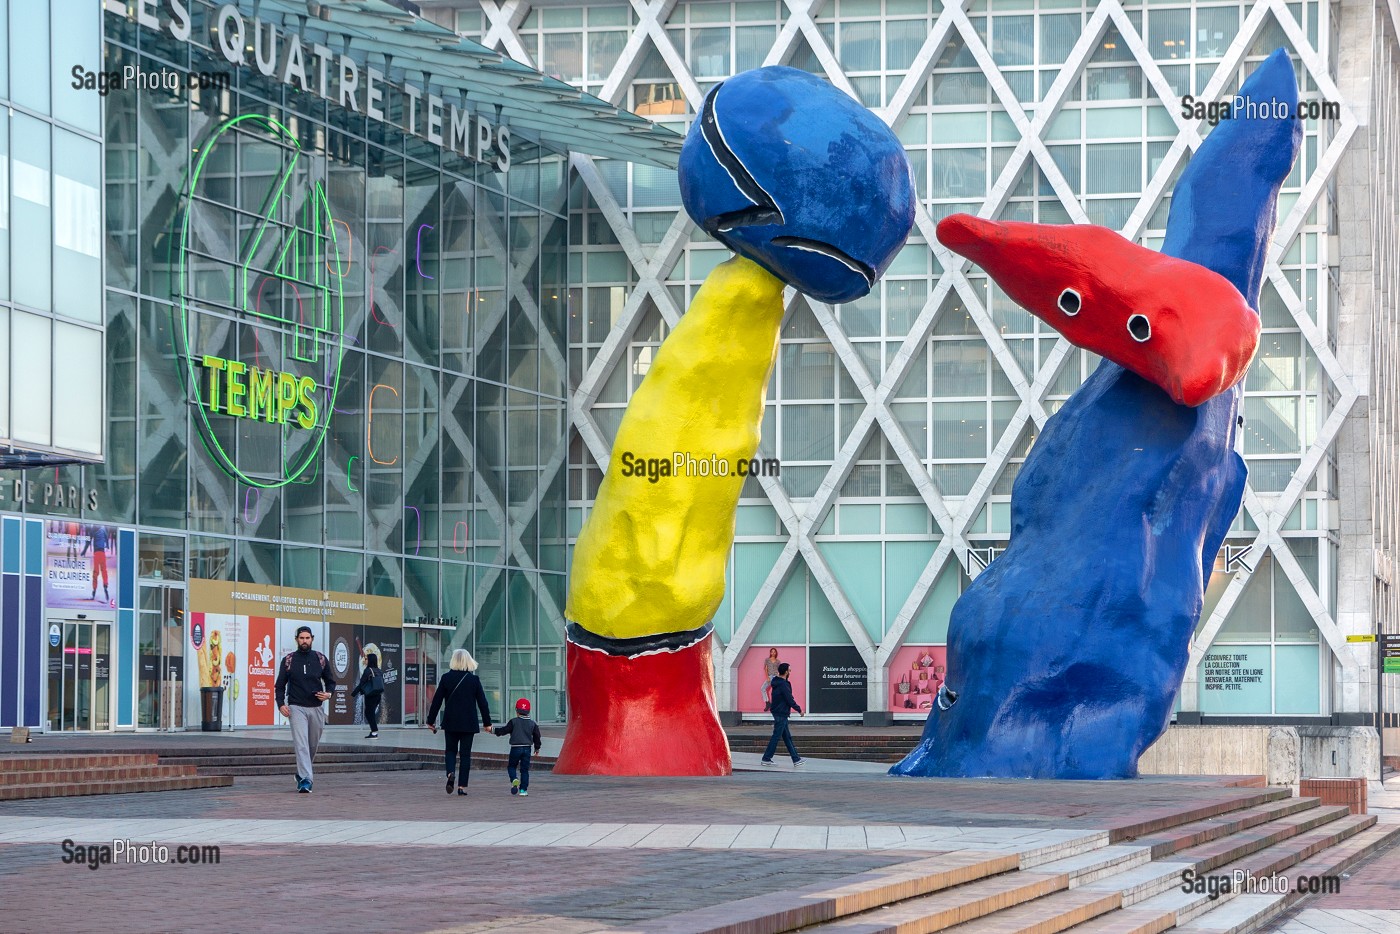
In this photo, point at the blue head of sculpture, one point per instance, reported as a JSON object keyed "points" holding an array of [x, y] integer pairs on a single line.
{"points": [[788, 171]]}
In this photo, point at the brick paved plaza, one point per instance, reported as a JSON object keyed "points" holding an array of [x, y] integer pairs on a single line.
{"points": [[391, 852]]}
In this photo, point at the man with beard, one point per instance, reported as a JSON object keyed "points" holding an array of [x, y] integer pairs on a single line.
{"points": [[304, 683]]}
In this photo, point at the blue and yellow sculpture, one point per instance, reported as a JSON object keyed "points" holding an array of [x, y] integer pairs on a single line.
{"points": [[812, 191], [1065, 655]]}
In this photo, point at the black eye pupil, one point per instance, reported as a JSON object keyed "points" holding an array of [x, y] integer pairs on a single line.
{"points": [[1069, 302], [1140, 328]]}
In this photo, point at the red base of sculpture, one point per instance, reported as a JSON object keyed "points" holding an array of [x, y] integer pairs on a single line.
{"points": [[646, 715]]}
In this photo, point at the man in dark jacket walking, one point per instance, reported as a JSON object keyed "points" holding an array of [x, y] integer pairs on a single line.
{"points": [[783, 706], [304, 683]]}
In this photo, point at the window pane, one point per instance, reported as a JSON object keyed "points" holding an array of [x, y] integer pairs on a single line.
{"points": [[4, 202], [1057, 37], [1013, 40], [77, 40], [77, 389], [4, 383], [1271, 425], [31, 371], [1169, 33], [959, 368], [1249, 619], [1113, 168], [30, 44], [860, 46], [959, 429], [29, 182], [77, 223], [808, 432]]}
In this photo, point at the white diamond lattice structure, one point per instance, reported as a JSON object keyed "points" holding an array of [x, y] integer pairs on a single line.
{"points": [[926, 396]]}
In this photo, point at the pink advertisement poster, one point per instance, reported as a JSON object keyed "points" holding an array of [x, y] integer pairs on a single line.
{"points": [[753, 682], [916, 671]]}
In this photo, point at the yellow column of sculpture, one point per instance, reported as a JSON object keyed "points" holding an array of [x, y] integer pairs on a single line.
{"points": [[648, 569]]}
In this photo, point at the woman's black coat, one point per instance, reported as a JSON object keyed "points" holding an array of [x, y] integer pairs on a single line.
{"points": [[460, 695]]}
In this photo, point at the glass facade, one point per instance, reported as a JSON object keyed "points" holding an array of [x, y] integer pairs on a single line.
{"points": [[336, 355], [51, 317], [901, 420]]}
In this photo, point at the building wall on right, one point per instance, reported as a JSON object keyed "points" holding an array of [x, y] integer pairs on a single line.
{"points": [[1380, 167]]}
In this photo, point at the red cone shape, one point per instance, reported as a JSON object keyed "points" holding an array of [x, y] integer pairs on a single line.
{"points": [[1170, 321], [648, 715]]}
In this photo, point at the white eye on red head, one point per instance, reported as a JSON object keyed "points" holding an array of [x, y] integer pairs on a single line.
{"points": [[1139, 328], [1069, 302]]}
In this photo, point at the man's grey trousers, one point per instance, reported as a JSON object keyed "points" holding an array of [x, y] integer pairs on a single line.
{"points": [[307, 723]]}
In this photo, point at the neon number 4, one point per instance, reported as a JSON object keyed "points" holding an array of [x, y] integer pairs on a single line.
{"points": [[302, 260]]}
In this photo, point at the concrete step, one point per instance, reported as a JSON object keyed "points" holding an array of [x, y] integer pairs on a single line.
{"points": [[128, 786], [281, 759], [1049, 915], [1207, 857], [841, 898], [1173, 906], [1167, 842], [1097, 907], [1097, 864], [104, 774], [1252, 912], [956, 906], [1162, 878], [328, 768], [1171, 819], [72, 761], [1098, 886], [1053, 886]]}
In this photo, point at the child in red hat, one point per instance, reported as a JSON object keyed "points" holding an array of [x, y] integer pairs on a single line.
{"points": [[523, 732]]}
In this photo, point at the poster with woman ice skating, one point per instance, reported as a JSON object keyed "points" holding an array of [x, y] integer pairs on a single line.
{"points": [[80, 565]]}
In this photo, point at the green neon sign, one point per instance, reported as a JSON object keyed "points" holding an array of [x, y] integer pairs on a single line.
{"points": [[307, 261], [256, 393]]}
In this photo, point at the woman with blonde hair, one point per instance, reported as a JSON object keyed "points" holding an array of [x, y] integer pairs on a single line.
{"points": [[460, 696]]}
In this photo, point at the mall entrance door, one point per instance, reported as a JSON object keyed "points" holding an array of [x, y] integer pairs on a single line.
{"points": [[423, 663], [160, 699], [79, 675]]}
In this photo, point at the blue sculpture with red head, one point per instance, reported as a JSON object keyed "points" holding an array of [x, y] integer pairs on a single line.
{"points": [[1066, 653]]}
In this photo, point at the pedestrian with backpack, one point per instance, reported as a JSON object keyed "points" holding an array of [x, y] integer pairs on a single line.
{"points": [[461, 697], [304, 684], [372, 687], [524, 733]]}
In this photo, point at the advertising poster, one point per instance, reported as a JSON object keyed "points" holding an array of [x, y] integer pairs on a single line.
{"points": [[80, 565], [837, 674], [916, 672], [752, 681], [238, 634], [217, 643], [260, 710], [1237, 679], [350, 648], [342, 705]]}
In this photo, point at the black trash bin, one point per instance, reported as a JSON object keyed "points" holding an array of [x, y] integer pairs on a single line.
{"points": [[211, 709]]}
